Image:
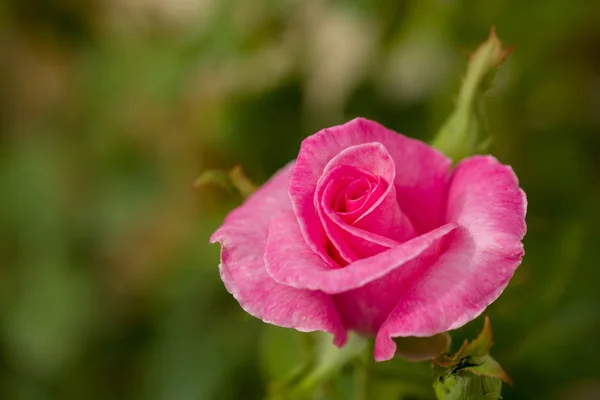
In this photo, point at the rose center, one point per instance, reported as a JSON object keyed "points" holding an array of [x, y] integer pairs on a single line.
{"points": [[356, 196], [353, 196]]}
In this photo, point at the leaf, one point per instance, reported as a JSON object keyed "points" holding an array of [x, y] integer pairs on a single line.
{"points": [[479, 347], [241, 182], [215, 177], [491, 368], [235, 181], [482, 344]]}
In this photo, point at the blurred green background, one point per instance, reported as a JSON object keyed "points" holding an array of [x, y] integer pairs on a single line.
{"points": [[111, 108]]}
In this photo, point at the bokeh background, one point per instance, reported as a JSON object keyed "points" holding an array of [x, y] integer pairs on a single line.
{"points": [[111, 108]]}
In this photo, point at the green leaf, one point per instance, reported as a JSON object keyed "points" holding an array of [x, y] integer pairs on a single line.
{"points": [[215, 177], [235, 181], [241, 182], [478, 347], [490, 368], [482, 344]]}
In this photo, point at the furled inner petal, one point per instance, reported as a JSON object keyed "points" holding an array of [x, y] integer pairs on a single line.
{"points": [[419, 181], [358, 197], [349, 190], [354, 196], [346, 246], [365, 174]]}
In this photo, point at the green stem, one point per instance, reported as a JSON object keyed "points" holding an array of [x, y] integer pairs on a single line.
{"points": [[362, 374]]}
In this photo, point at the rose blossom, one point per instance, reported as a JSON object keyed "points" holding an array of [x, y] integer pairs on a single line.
{"points": [[371, 231]]}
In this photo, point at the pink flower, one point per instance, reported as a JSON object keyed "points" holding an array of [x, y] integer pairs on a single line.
{"points": [[371, 231]]}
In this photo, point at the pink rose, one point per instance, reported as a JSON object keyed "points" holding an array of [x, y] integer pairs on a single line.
{"points": [[371, 231]]}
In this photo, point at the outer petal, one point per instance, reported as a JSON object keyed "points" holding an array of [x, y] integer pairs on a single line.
{"points": [[421, 174], [307, 270], [485, 200], [243, 238], [365, 308]]}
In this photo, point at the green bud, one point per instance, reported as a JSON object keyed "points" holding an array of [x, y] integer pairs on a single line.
{"points": [[459, 136], [471, 373], [467, 386]]}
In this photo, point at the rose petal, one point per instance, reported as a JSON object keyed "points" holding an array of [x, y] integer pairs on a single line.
{"points": [[485, 200], [382, 223], [355, 211], [350, 242], [365, 308], [290, 261], [419, 181], [243, 238], [351, 201]]}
